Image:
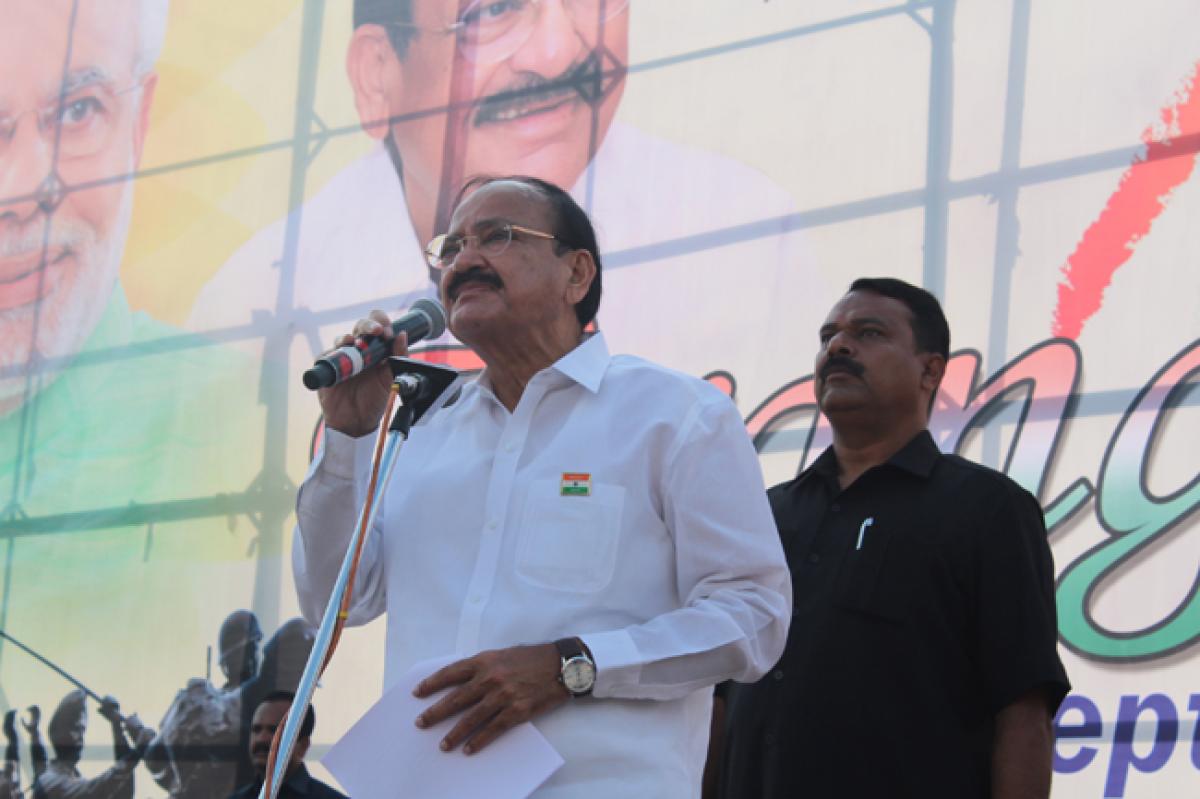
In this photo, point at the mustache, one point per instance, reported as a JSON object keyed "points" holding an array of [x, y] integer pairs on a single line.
{"points": [[585, 79], [17, 242], [842, 363], [474, 274], [260, 749]]}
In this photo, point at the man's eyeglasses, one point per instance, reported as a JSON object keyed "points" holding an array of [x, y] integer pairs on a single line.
{"points": [[488, 31], [84, 121], [443, 250]]}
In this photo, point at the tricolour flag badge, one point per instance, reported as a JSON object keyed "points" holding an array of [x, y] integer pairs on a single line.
{"points": [[576, 484]]}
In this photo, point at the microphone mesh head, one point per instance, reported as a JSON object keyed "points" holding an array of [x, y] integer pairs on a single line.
{"points": [[436, 313]]}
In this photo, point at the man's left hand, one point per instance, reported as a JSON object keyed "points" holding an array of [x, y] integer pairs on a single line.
{"points": [[494, 691]]}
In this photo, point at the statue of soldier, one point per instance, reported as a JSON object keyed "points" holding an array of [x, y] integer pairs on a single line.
{"points": [[67, 728], [195, 751], [237, 644], [201, 748], [10, 778]]}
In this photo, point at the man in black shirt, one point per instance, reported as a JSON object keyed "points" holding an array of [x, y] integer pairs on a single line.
{"points": [[921, 660], [297, 782]]}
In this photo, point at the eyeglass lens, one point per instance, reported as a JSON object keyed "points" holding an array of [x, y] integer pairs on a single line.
{"points": [[444, 249], [494, 29], [83, 124]]}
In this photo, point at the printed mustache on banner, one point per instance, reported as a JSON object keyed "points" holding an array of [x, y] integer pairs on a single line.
{"points": [[32, 238], [586, 79], [842, 363]]}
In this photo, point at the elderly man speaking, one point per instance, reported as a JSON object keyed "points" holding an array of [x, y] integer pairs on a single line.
{"points": [[587, 532]]}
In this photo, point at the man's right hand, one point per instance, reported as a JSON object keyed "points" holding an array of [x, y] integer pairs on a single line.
{"points": [[355, 406], [110, 709]]}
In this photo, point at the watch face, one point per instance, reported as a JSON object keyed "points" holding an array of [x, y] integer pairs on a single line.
{"points": [[579, 675]]}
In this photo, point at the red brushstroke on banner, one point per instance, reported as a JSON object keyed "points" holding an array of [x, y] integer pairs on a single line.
{"points": [[1143, 193]]}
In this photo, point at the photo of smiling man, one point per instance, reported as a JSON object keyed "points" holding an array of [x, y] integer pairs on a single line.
{"points": [[106, 462], [451, 90]]}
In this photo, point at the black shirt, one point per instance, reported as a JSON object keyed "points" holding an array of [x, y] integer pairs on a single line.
{"points": [[923, 604], [298, 784]]}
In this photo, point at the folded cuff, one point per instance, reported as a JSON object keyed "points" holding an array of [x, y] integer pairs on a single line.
{"points": [[618, 662], [343, 456]]}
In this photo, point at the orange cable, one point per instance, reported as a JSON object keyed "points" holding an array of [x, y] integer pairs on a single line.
{"points": [[344, 604]]}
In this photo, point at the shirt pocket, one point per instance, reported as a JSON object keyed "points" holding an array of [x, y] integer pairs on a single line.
{"points": [[871, 580], [569, 543]]}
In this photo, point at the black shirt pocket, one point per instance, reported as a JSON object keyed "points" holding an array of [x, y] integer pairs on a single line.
{"points": [[872, 577]]}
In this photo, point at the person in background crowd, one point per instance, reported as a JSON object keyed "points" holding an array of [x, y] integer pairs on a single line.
{"points": [[297, 782]]}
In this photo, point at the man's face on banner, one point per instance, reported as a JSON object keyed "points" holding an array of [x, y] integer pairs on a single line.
{"points": [[64, 200], [514, 77]]}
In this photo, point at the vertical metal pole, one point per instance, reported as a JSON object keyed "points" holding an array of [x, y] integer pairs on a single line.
{"points": [[1008, 226], [274, 387], [28, 409], [940, 135]]}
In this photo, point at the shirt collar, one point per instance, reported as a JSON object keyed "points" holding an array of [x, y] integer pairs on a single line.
{"points": [[917, 457], [586, 363], [299, 780]]}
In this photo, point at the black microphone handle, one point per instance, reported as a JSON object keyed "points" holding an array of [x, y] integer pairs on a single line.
{"points": [[366, 351], [425, 319]]}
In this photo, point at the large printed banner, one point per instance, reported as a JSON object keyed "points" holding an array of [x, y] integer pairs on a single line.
{"points": [[196, 198]]}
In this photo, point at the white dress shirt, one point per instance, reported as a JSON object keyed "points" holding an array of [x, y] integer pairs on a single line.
{"points": [[668, 565]]}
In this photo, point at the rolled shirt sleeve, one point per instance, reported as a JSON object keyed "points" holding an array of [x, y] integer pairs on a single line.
{"points": [[730, 572], [327, 508]]}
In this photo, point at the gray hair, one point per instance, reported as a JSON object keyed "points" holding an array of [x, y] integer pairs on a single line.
{"points": [[152, 29]]}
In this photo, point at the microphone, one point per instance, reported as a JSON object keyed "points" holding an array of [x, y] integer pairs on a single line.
{"points": [[426, 319]]}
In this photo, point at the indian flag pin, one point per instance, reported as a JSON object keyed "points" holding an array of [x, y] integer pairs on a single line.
{"points": [[576, 484]]}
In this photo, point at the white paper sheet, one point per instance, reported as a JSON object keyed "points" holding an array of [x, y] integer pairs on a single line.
{"points": [[385, 756]]}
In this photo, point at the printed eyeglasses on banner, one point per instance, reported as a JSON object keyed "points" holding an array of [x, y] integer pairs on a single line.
{"points": [[488, 31], [84, 120]]}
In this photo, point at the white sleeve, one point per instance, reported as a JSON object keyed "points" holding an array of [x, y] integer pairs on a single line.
{"points": [[327, 508], [731, 576]]}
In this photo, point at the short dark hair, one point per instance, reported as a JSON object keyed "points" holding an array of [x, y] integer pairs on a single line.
{"points": [[572, 229], [310, 715], [930, 329], [394, 15]]}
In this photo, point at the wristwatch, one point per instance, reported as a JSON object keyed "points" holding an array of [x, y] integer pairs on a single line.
{"points": [[577, 671]]}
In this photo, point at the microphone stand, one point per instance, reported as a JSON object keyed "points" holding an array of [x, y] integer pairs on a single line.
{"points": [[418, 390]]}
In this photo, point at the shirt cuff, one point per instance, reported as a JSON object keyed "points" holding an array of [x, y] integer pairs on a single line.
{"points": [[618, 662], [343, 456]]}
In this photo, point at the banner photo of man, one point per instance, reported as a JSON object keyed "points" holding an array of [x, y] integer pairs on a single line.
{"points": [[196, 200]]}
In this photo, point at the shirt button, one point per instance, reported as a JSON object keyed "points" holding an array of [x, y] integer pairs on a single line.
{"points": [[509, 447], [475, 600], [814, 557], [491, 525], [835, 507], [777, 675]]}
